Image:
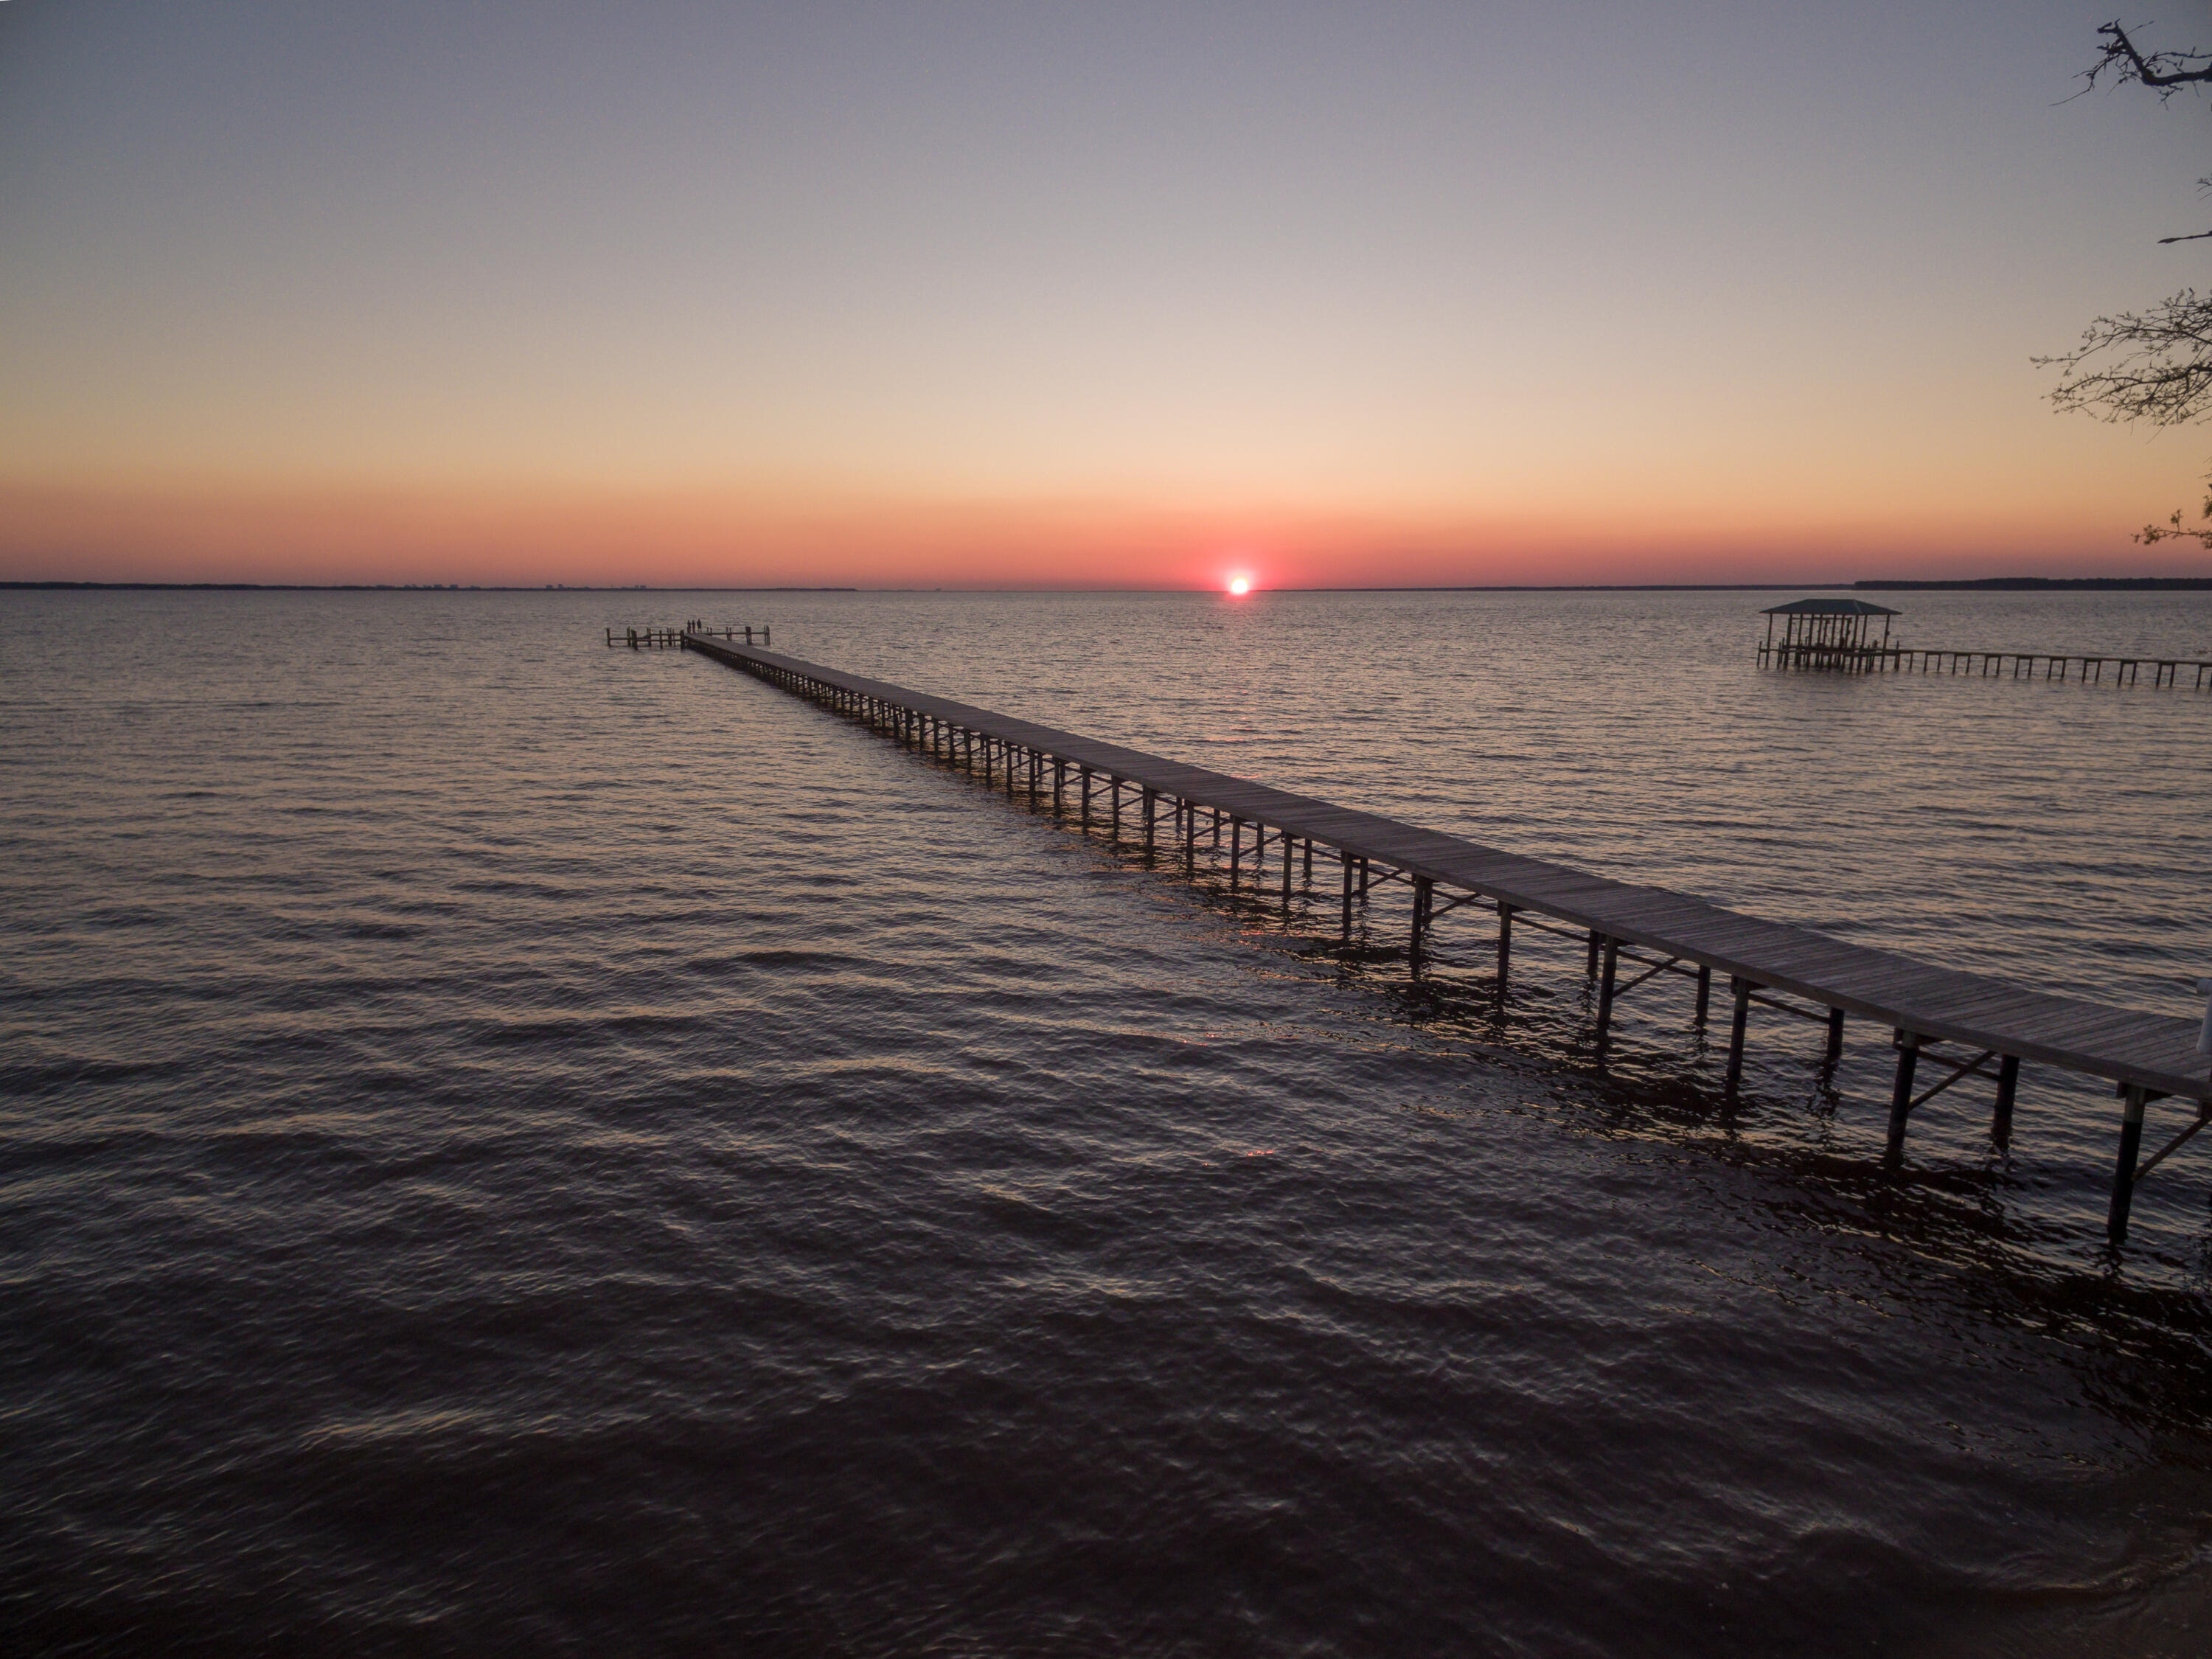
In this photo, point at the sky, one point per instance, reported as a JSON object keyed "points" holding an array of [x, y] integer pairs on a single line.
{"points": [[1099, 296]]}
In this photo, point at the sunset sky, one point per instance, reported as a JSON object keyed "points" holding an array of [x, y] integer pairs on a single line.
{"points": [[1089, 295]]}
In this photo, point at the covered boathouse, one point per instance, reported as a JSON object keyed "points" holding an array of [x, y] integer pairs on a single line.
{"points": [[1825, 633]]}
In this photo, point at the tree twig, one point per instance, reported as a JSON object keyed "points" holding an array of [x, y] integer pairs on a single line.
{"points": [[2163, 72]]}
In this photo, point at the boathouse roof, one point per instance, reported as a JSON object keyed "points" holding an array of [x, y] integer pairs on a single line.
{"points": [[1829, 608]]}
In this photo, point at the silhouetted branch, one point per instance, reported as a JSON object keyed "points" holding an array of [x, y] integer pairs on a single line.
{"points": [[2163, 72], [2158, 364], [2172, 530], [2155, 365]]}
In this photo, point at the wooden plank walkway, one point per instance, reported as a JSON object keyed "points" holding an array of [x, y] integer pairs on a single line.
{"points": [[2146, 1055]]}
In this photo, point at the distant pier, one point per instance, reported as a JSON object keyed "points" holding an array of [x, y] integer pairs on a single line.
{"points": [[1963, 1025], [2177, 671], [1837, 636], [671, 639]]}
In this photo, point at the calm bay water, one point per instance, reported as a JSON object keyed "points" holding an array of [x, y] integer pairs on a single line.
{"points": [[506, 1145]]}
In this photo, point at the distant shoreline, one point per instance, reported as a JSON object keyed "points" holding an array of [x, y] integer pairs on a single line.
{"points": [[2044, 584]]}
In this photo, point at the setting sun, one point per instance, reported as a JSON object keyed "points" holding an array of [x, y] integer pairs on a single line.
{"points": [[1239, 586]]}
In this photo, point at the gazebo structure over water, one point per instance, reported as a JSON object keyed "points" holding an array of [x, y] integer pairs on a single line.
{"points": [[1825, 633]]}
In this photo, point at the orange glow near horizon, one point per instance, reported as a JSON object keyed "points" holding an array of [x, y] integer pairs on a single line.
{"points": [[173, 530]]}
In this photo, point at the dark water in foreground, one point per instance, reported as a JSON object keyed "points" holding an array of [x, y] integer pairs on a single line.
{"points": [[506, 1145]]}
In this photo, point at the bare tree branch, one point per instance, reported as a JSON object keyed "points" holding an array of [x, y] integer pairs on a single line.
{"points": [[2163, 72], [2172, 529], [2156, 365]]}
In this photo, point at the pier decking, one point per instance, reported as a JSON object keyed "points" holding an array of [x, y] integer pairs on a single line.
{"points": [[2147, 1057]]}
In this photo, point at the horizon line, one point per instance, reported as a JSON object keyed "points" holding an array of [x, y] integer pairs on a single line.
{"points": [[1893, 584]]}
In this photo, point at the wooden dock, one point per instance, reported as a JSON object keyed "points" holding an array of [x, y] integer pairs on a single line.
{"points": [[1966, 1024], [1989, 664], [672, 639]]}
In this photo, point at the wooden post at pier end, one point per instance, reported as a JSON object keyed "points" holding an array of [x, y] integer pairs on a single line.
{"points": [[1737, 1021], [1605, 988], [1423, 900], [2123, 1174], [1900, 1098], [2007, 1088]]}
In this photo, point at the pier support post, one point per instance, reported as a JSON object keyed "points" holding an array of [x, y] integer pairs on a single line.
{"points": [[1835, 1036], [1059, 783], [1236, 851], [1086, 798], [1424, 899], [1737, 1021], [1705, 995], [1345, 859], [2008, 1087], [1900, 1098], [1114, 784], [1287, 840], [2123, 1173], [1151, 809], [1605, 989], [1504, 943], [1590, 969]]}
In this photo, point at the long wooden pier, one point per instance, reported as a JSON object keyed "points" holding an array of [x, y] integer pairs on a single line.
{"points": [[1966, 1024]]}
